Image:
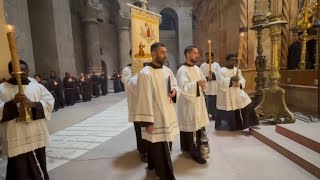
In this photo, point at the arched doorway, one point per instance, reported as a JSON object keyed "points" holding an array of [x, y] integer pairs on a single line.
{"points": [[169, 36]]}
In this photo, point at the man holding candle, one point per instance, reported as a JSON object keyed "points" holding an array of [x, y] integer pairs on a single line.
{"points": [[210, 69], [235, 110], [24, 143], [191, 106]]}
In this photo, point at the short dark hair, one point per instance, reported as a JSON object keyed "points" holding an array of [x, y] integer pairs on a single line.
{"points": [[155, 46], [207, 54], [10, 68], [230, 55], [37, 75], [188, 50]]}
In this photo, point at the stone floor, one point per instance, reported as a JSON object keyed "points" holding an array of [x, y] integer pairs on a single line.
{"points": [[102, 147]]}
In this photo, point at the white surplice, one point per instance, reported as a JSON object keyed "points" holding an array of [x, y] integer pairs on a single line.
{"points": [[212, 87], [191, 109], [19, 138], [231, 98], [129, 82], [154, 105]]}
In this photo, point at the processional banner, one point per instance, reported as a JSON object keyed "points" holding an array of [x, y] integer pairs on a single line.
{"points": [[144, 32]]}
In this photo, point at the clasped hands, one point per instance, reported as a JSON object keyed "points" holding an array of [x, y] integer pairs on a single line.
{"points": [[23, 100]]}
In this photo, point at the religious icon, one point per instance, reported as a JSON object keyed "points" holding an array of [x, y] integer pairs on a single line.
{"points": [[147, 32]]}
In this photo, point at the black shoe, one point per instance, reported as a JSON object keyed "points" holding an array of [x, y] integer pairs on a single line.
{"points": [[144, 157], [200, 160]]}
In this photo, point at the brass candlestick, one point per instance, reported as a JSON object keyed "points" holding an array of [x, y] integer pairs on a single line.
{"points": [[273, 103], [24, 112], [261, 62]]}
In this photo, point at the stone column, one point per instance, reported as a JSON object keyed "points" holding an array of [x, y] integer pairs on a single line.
{"points": [[124, 41], [185, 32], [90, 12]]}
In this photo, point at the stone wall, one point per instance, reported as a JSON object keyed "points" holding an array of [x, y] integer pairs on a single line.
{"points": [[17, 15]]}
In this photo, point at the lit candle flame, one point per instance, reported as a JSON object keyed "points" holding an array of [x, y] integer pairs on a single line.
{"points": [[9, 28]]}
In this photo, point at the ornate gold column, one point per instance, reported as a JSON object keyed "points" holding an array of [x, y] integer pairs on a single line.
{"points": [[285, 35], [273, 103], [316, 65], [244, 23], [259, 20]]}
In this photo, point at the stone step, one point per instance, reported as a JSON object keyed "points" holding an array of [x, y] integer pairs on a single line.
{"points": [[307, 134], [301, 155]]}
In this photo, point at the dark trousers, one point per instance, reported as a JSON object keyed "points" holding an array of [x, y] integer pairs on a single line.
{"points": [[142, 144], [24, 166], [211, 102], [159, 159], [187, 142]]}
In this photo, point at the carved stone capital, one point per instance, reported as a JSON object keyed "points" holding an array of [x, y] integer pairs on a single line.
{"points": [[91, 10], [123, 22]]}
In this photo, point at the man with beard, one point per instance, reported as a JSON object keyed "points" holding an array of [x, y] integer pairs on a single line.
{"points": [[104, 83], [69, 89], [191, 106], [129, 82], [211, 93], [24, 143], [157, 93], [95, 85], [57, 88], [235, 110]]}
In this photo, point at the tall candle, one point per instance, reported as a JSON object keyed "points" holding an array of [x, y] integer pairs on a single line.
{"points": [[209, 46], [13, 49], [240, 48]]}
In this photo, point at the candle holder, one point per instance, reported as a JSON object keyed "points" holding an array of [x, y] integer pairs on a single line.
{"points": [[261, 62], [273, 103], [24, 112]]}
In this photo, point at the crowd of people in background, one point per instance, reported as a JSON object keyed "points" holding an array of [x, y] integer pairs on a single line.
{"points": [[71, 90]]}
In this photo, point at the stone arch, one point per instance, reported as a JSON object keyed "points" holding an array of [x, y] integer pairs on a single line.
{"points": [[169, 35]]}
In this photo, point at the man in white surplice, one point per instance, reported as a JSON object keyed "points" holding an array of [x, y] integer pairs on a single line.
{"points": [[191, 106], [235, 110], [24, 143], [211, 93], [157, 94], [129, 80]]}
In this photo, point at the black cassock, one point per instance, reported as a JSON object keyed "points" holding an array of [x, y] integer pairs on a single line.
{"points": [[95, 85], [76, 89], [104, 84], [236, 120], [51, 90], [57, 88], [69, 90], [84, 84]]}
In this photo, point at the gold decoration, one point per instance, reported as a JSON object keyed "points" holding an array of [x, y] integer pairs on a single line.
{"points": [[305, 23], [261, 61], [273, 103], [24, 112], [144, 32], [285, 35], [244, 23]]}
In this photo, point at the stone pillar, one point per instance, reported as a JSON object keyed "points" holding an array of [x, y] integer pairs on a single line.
{"points": [[185, 33], [64, 37], [124, 41], [90, 12]]}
